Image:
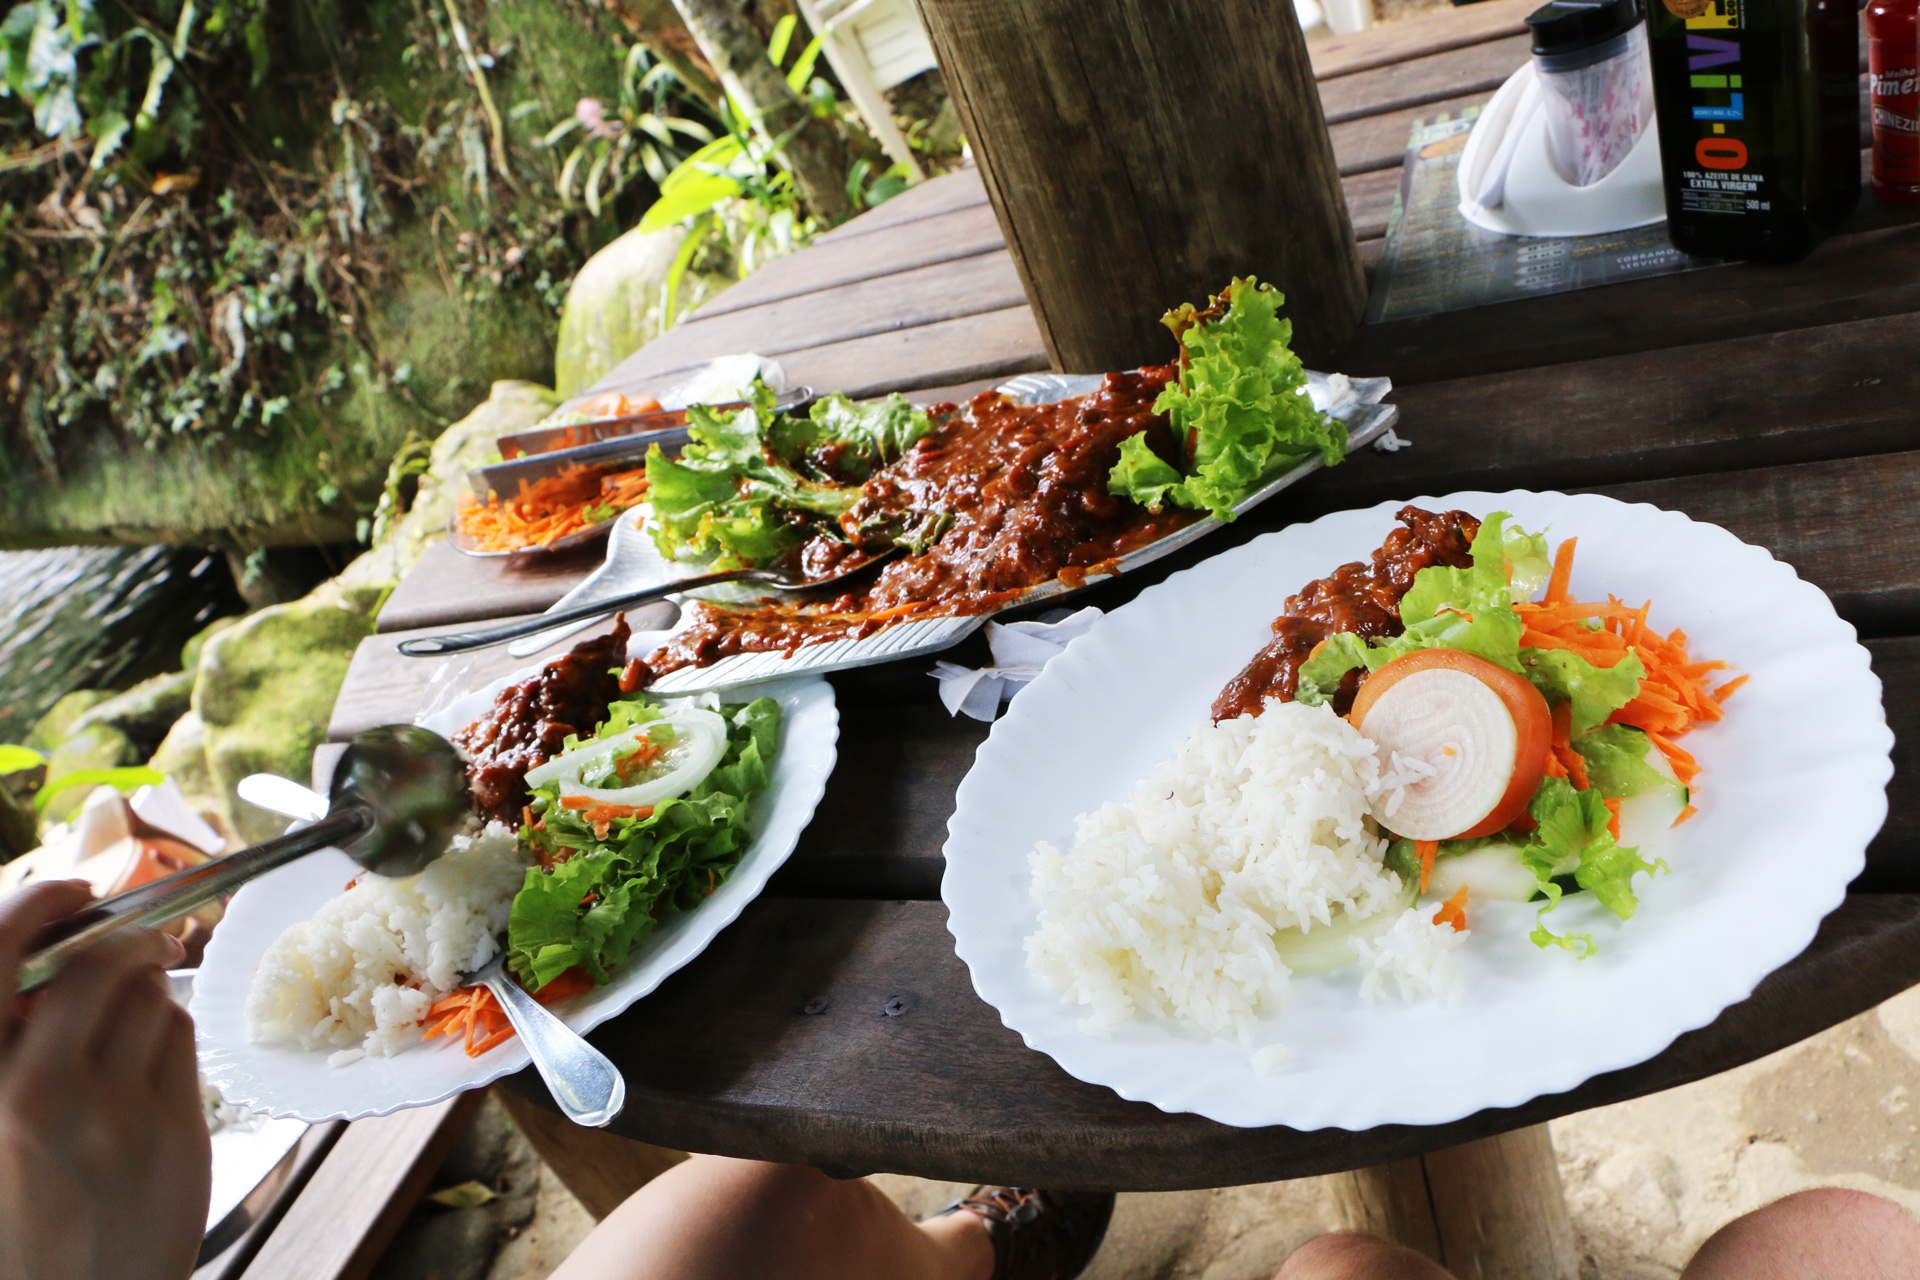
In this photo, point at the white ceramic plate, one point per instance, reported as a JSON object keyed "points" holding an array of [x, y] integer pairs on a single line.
{"points": [[1792, 788], [290, 1082]]}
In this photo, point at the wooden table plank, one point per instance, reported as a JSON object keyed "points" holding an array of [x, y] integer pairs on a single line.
{"points": [[900, 300], [724, 1058], [350, 1209], [964, 233], [1849, 526], [882, 824], [1418, 37], [931, 199], [1370, 198], [1893, 859], [1477, 69], [1829, 392], [447, 587], [1380, 141], [991, 345], [1851, 277]]}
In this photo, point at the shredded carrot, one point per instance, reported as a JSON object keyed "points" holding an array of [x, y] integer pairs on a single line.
{"points": [[600, 815], [1454, 911], [473, 1014], [1572, 765], [612, 404], [1613, 817], [644, 753], [1685, 813], [1674, 695], [897, 611], [1427, 849], [550, 508], [1562, 572]]}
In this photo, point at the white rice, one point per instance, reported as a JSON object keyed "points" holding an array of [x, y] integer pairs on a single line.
{"points": [[361, 974], [1169, 903]]}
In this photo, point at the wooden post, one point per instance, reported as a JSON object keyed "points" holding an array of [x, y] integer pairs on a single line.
{"points": [[1140, 153], [1486, 1210]]}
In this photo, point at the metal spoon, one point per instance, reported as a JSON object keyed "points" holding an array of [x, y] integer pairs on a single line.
{"points": [[777, 578], [399, 794], [588, 1087]]}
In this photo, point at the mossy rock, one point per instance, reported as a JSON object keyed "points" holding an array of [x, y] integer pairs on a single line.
{"points": [[182, 756], [266, 689], [51, 729], [190, 652], [614, 305], [145, 712]]}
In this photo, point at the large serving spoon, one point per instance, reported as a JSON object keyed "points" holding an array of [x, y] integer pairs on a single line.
{"points": [[399, 793], [585, 1084], [780, 579]]}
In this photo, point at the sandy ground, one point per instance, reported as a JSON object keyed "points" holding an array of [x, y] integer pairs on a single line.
{"points": [[1646, 1181]]}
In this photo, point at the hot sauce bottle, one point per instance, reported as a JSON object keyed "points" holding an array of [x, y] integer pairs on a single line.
{"points": [[1758, 104], [1893, 60]]}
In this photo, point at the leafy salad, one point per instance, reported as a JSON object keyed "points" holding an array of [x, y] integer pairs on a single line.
{"points": [[649, 814], [1240, 411], [753, 484], [1590, 697]]}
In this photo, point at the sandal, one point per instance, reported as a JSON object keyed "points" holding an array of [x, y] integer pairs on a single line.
{"points": [[1039, 1235]]}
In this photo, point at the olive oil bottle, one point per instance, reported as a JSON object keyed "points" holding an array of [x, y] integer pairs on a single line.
{"points": [[1759, 109]]}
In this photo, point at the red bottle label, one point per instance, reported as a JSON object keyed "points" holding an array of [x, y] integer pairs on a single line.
{"points": [[1896, 111]]}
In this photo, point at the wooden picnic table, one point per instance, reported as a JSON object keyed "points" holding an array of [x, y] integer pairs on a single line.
{"points": [[833, 1025]]}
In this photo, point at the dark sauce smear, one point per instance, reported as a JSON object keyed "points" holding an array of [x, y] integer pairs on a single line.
{"points": [[1021, 494], [1361, 598], [530, 721]]}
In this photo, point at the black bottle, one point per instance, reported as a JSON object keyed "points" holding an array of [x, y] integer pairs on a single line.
{"points": [[1759, 110]]}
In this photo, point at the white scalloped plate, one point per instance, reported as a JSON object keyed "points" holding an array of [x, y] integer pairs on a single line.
{"points": [[292, 1082], [1792, 789]]}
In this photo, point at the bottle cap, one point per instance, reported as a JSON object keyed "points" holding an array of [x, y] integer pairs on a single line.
{"points": [[1568, 26]]}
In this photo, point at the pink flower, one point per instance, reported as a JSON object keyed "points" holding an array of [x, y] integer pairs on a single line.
{"points": [[589, 112]]}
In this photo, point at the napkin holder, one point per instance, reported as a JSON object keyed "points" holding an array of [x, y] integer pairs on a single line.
{"points": [[1508, 183]]}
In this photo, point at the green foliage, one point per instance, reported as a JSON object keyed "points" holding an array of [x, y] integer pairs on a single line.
{"points": [[268, 223], [127, 778]]}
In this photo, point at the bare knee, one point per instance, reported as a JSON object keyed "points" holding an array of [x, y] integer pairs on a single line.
{"points": [[1350, 1255], [1826, 1231]]}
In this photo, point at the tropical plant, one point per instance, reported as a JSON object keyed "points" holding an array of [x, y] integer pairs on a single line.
{"points": [[736, 192], [641, 137]]}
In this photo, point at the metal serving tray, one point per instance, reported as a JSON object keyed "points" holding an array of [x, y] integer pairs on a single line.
{"points": [[520, 444], [633, 563], [668, 429]]}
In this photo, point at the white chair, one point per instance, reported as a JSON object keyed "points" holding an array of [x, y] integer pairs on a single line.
{"points": [[872, 46]]}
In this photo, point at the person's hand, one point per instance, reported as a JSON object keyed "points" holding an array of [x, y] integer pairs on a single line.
{"points": [[104, 1157]]}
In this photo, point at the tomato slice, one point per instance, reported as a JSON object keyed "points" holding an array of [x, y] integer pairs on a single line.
{"points": [[1532, 723]]}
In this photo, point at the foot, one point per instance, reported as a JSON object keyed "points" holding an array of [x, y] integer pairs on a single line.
{"points": [[1040, 1235]]}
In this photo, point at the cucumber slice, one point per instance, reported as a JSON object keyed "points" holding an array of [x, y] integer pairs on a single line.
{"points": [[1493, 872], [1325, 947], [1645, 817]]}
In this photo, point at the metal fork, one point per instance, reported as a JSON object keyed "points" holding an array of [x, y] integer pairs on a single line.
{"points": [[777, 578]]}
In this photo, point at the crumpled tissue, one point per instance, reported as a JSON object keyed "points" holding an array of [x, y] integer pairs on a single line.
{"points": [[1020, 650]]}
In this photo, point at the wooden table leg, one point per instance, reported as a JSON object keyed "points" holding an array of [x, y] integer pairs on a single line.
{"points": [[1486, 1210], [600, 1168]]}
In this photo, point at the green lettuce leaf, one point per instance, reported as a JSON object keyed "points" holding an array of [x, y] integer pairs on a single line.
{"points": [[843, 442], [1572, 835], [604, 893], [1467, 609], [1616, 759], [1596, 692], [1239, 410]]}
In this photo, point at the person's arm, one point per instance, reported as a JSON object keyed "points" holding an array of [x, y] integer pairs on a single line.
{"points": [[104, 1157]]}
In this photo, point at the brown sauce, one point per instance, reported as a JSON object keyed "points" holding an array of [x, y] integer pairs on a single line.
{"points": [[530, 721], [1357, 597], [1022, 493]]}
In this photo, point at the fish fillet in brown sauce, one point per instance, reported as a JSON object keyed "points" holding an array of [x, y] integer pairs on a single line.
{"points": [[1357, 597]]}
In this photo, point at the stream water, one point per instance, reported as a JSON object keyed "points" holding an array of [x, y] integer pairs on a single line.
{"points": [[98, 617]]}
